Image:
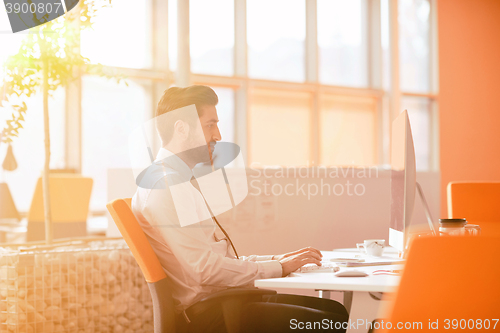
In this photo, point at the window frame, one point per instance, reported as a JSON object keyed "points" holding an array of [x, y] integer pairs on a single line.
{"points": [[388, 101]]}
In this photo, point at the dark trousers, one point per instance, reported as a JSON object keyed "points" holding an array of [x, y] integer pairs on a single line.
{"points": [[277, 313]]}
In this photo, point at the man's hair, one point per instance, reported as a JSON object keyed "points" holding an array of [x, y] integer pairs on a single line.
{"points": [[174, 98]]}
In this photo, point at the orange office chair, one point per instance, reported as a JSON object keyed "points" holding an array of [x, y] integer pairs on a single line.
{"points": [[231, 299], [447, 278], [478, 202], [8, 208], [69, 202]]}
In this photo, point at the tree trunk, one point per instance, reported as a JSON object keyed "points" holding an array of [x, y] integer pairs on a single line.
{"points": [[46, 178]]}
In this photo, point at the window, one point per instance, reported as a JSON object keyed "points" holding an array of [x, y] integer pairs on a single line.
{"points": [[279, 123], [10, 42], [211, 36], [385, 44], [172, 34], [121, 35], [342, 41], [110, 112], [276, 38], [414, 45], [419, 112], [225, 112], [348, 130]]}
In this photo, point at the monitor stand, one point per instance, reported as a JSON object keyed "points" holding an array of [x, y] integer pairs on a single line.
{"points": [[426, 209], [429, 221]]}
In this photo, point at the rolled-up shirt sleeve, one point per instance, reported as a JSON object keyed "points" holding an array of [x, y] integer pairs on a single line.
{"points": [[191, 247]]}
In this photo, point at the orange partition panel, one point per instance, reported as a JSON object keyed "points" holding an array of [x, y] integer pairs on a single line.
{"points": [[446, 279], [478, 202]]}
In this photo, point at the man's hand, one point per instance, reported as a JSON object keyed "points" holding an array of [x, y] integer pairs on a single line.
{"points": [[294, 260]]}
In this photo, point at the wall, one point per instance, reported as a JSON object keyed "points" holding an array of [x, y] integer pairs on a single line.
{"points": [[277, 224], [469, 103]]}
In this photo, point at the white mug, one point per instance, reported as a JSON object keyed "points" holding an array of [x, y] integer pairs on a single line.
{"points": [[372, 247]]}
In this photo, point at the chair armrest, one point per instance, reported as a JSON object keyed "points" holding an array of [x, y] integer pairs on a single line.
{"points": [[231, 301]]}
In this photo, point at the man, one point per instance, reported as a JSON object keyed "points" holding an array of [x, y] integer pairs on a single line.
{"points": [[174, 215]]}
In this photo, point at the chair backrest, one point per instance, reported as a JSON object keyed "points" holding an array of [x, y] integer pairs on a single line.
{"points": [[448, 278], [136, 239], [69, 196], [478, 202], [159, 286], [8, 208]]}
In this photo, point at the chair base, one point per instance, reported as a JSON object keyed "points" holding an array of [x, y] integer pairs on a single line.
{"points": [[163, 306]]}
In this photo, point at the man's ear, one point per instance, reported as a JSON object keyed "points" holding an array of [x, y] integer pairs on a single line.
{"points": [[181, 129]]}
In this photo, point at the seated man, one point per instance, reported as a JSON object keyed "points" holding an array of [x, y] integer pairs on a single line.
{"points": [[195, 255]]}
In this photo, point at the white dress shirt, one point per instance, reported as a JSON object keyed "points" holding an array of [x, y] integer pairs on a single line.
{"points": [[197, 262]]}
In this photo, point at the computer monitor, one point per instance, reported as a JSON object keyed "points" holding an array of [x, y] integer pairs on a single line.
{"points": [[403, 181]]}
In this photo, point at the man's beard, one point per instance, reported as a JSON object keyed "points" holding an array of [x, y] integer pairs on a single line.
{"points": [[211, 150], [200, 154]]}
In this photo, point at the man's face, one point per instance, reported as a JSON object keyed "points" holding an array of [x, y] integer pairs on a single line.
{"points": [[208, 121]]}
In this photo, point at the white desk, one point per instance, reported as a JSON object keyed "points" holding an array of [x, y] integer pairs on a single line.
{"points": [[360, 293]]}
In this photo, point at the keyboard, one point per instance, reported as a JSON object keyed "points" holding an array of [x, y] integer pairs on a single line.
{"points": [[327, 267]]}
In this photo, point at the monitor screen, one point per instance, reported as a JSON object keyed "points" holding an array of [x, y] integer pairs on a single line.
{"points": [[397, 200], [403, 180]]}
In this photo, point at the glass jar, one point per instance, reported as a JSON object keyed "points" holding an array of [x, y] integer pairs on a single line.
{"points": [[458, 227]]}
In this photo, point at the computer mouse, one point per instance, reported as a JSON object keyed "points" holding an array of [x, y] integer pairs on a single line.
{"points": [[351, 273]]}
